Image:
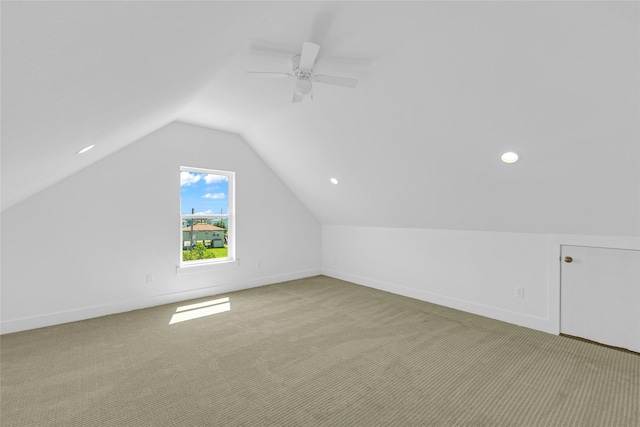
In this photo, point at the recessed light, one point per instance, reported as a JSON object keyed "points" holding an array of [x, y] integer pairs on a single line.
{"points": [[334, 181], [85, 149], [509, 157]]}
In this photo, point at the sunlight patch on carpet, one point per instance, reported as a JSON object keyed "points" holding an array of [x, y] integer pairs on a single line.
{"points": [[202, 309]]}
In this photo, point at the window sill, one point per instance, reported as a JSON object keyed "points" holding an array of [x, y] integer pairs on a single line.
{"points": [[206, 266]]}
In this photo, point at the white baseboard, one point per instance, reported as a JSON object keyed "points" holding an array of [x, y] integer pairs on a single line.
{"points": [[537, 323], [89, 312]]}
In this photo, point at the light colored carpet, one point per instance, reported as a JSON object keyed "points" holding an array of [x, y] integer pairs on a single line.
{"points": [[316, 351]]}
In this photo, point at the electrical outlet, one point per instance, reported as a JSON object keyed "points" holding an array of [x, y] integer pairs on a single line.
{"points": [[149, 278], [519, 292]]}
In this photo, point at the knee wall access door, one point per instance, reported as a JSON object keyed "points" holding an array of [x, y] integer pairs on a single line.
{"points": [[600, 295]]}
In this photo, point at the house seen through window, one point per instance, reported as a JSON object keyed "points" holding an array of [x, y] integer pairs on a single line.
{"points": [[206, 216]]}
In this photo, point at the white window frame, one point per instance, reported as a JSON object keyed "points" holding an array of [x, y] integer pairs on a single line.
{"points": [[231, 221]]}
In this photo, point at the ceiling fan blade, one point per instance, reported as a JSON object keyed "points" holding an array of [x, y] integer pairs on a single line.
{"points": [[269, 74], [338, 81], [308, 55], [297, 97]]}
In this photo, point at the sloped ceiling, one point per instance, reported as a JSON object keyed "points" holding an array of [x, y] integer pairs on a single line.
{"points": [[445, 88]]}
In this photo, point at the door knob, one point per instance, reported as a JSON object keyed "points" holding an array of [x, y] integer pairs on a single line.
{"points": [[568, 259]]}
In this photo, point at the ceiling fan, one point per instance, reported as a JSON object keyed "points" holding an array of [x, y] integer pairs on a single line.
{"points": [[302, 72]]}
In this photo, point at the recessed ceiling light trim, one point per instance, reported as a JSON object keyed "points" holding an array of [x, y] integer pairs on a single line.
{"points": [[85, 149], [509, 157]]}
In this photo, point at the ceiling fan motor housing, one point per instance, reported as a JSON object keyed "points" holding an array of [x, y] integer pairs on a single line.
{"points": [[302, 75]]}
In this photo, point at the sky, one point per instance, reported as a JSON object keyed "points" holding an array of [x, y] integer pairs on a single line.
{"points": [[205, 193]]}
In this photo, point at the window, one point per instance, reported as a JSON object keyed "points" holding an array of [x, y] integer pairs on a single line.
{"points": [[206, 216]]}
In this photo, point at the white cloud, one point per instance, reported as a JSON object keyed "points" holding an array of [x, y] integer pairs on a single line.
{"points": [[207, 212], [188, 178], [216, 196], [210, 179]]}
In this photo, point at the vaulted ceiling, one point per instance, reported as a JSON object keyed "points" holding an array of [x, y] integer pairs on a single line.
{"points": [[444, 89]]}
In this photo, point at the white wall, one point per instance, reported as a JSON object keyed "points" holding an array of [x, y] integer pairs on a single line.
{"points": [[135, 193], [474, 271], [128, 206]]}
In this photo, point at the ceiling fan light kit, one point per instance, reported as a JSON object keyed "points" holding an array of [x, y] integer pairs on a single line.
{"points": [[302, 71]]}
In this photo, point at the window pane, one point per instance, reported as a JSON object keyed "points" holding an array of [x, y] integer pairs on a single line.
{"points": [[204, 238], [203, 193], [205, 211]]}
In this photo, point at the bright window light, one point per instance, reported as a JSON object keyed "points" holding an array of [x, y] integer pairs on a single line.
{"points": [[201, 304], [203, 309], [509, 157], [334, 181], [206, 216]]}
